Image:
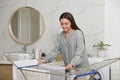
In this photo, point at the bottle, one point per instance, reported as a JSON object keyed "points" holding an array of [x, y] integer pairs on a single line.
{"points": [[37, 54], [40, 53]]}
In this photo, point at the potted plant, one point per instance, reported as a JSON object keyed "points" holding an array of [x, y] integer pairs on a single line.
{"points": [[101, 46]]}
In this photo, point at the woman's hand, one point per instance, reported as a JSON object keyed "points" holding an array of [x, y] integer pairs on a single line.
{"points": [[69, 67], [42, 61]]}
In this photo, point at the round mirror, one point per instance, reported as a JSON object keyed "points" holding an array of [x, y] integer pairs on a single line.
{"points": [[26, 25]]}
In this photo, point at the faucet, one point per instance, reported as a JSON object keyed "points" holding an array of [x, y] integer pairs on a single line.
{"points": [[24, 49]]}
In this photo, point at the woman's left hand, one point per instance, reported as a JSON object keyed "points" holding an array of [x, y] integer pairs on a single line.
{"points": [[69, 67]]}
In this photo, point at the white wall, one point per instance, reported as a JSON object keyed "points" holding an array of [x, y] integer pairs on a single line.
{"points": [[112, 27], [89, 15]]}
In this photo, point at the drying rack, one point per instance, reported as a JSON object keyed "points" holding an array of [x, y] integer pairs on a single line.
{"points": [[93, 70]]}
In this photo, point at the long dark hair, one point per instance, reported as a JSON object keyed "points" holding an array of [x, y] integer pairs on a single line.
{"points": [[70, 17]]}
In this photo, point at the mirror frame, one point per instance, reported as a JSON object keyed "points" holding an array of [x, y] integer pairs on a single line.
{"points": [[12, 34]]}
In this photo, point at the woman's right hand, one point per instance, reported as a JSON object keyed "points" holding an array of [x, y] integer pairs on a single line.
{"points": [[43, 61]]}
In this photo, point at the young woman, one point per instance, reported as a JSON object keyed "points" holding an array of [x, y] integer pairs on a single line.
{"points": [[70, 43]]}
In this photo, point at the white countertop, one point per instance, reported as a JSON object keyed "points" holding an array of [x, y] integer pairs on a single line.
{"points": [[4, 61]]}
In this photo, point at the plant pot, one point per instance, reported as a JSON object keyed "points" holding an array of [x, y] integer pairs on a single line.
{"points": [[102, 53]]}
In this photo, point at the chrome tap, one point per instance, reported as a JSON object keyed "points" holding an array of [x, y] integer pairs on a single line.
{"points": [[24, 49]]}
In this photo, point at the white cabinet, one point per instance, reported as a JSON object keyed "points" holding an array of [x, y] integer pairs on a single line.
{"points": [[17, 74]]}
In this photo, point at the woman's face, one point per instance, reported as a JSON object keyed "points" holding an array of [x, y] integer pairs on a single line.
{"points": [[65, 24]]}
